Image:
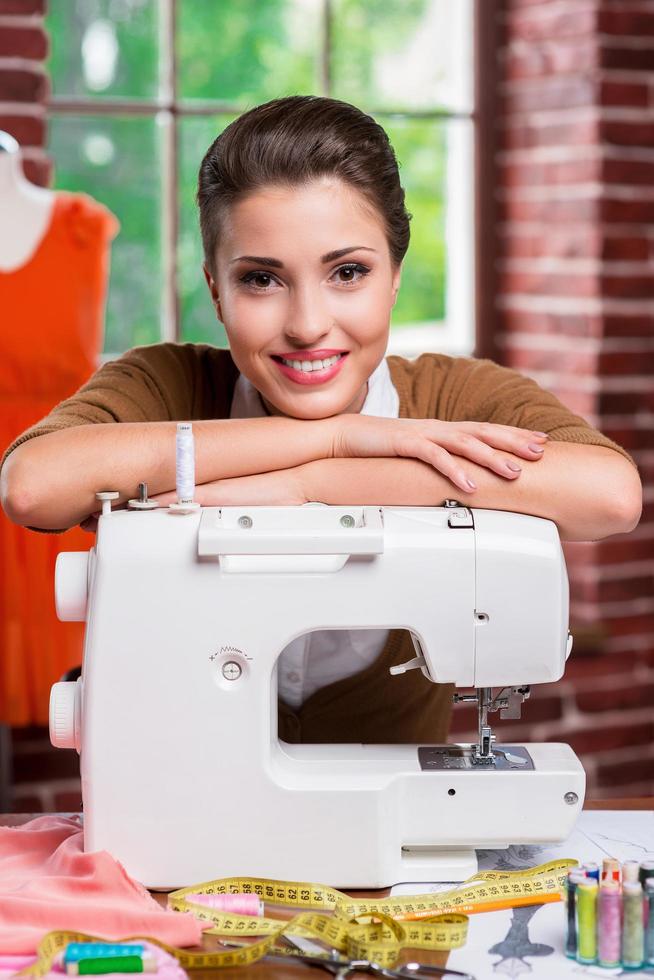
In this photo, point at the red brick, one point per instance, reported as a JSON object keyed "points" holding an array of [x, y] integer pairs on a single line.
{"points": [[623, 248], [26, 804], [627, 212], [543, 24], [22, 7], [23, 85], [626, 362], [627, 588], [630, 625], [30, 767], [23, 42], [551, 360], [619, 774], [551, 58], [561, 210], [600, 739], [525, 135], [627, 132], [68, 802], [628, 325], [632, 59], [550, 93], [636, 23], [628, 287], [625, 402], [612, 699], [628, 94], [550, 284], [27, 130], [566, 324], [524, 174], [585, 668]]}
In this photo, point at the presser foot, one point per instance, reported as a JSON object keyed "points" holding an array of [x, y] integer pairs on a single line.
{"points": [[509, 706]]}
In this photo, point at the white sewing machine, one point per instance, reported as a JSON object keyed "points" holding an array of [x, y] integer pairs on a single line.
{"points": [[175, 716]]}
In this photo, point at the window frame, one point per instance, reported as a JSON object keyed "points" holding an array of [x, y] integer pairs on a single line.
{"points": [[465, 330]]}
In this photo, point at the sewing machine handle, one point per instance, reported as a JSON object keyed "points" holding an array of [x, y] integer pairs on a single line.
{"points": [[309, 537]]}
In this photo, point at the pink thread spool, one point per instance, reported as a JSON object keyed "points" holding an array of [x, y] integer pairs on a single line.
{"points": [[609, 925], [239, 904]]}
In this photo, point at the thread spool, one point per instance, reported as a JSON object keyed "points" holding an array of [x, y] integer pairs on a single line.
{"points": [[610, 870], [609, 924], [631, 872], [591, 870], [184, 469], [587, 921], [240, 903], [573, 879], [648, 952], [646, 870], [632, 926]]}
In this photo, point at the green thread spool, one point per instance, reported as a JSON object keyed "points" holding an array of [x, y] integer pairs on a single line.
{"points": [[587, 921], [649, 921], [633, 934]]}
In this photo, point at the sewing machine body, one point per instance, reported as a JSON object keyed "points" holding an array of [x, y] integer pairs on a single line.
{"points": [[183, 776]]}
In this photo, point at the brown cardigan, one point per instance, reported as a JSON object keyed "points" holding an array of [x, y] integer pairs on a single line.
{"points": [[174, 382]]}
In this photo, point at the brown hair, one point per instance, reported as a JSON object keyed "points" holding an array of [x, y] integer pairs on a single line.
{"points": [[294, 140]]}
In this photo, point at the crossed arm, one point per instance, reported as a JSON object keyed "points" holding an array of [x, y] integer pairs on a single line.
{"points": [[590, 492]]}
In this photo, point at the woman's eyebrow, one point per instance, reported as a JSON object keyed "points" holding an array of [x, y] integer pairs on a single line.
{"points": [[276, 264]]}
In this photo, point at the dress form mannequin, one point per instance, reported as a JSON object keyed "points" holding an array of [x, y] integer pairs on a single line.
{"points": [[26, 209]]}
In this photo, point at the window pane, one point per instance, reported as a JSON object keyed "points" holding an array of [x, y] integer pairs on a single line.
{"points": [[116, 161], [421, 151], [103, 48], [198, 317], [248, 51], [414, 55]]}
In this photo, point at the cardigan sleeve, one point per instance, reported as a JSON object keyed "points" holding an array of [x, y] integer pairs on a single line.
{"points": [[490, 392], [154, 383]]}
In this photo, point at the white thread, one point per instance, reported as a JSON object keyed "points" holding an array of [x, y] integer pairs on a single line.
{"points": [[185, 463]]}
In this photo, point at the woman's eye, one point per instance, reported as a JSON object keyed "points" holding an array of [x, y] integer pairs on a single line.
{"points": [[352, 269], [253, 279]]}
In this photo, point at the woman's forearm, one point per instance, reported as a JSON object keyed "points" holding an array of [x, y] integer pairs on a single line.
{"points": [[590, 492], [51, 480]]}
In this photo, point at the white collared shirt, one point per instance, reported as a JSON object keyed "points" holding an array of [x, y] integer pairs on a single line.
{"points": [[319, 658]]}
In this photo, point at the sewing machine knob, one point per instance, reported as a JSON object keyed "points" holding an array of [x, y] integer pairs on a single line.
{"points": [[71, 585], [65, 709]]}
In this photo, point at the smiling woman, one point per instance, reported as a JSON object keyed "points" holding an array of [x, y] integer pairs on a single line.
{"points": [[304, 405]]}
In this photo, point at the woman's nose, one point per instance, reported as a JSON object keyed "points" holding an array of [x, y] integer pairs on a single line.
{"points": [[308, 318]]}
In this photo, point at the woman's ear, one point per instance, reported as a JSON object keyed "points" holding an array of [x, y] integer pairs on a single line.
{"points": [[215, 299], [397, 278]]}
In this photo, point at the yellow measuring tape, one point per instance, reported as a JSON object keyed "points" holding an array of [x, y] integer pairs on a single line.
{"points": [[373, 929]]}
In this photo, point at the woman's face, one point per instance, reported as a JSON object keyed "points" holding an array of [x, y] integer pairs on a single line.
{"points": [[281, 293]]}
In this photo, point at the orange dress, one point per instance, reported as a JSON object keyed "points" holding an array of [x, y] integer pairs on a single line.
{"points": [[51, 330]]}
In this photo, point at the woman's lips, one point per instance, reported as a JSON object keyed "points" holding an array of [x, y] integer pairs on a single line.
{"points": [[312, 377]]}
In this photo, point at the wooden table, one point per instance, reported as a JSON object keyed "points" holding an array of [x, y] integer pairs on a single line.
{"points": [[276, 971]]}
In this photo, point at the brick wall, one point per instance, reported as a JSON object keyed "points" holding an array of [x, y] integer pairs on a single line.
{"points": [[575, 310], [24, 86]]}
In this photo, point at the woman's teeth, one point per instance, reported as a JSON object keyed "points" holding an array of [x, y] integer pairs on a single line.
{"points": [[309, 366]]}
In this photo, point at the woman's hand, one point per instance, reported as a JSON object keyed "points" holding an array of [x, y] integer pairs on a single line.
{"points": [[441, 444]]}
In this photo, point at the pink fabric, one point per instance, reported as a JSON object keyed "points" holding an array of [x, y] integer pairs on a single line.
{"points": [[47, 882], [167, 967]]}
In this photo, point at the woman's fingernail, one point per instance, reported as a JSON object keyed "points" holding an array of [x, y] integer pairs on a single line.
{"points": [[536, 449], [473, 486], [514, 467], [543, 435]]}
